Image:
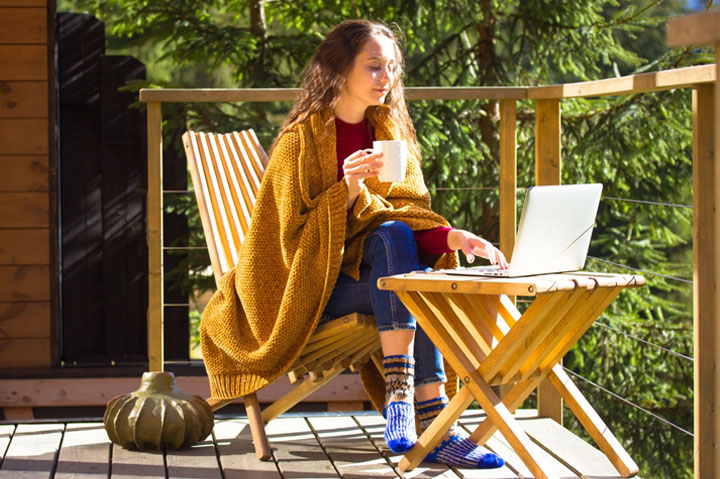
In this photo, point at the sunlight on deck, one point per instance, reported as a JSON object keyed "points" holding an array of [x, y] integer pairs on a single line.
{"points": [[347, 445]]}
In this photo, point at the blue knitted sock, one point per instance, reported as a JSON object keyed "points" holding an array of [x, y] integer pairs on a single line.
{"points": [[455, 449], [400, 434]]}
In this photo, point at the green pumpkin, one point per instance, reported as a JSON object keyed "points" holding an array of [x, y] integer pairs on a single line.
{"points": [[158, 416]]}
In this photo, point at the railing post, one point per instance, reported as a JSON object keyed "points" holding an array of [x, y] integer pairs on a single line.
{"points": [[155, 237], [547, 172], [508, 176], [698, 30], [508, 185], [705, 274], [547, 142]]}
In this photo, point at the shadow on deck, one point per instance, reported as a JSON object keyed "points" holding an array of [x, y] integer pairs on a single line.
{"points": [[310, 445]]}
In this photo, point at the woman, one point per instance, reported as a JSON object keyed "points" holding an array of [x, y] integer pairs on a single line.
{"points": [[325, 228]]}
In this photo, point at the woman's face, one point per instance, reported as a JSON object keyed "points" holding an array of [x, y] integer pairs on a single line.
{"points": [[372, 75]]}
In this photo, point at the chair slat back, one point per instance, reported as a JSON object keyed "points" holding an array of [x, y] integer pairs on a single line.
{"points": [[226, 171]]}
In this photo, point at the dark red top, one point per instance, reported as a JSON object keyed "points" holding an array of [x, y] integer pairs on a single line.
{"points": [[352, 137]]}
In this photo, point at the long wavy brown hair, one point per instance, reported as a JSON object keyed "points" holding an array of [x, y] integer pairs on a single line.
{"points": [[324, 77]]}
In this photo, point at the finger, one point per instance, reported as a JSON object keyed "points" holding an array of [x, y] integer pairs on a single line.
{"points": [[362, 156], [469, 254], [358, 175], [503, 261], [364, 168]]}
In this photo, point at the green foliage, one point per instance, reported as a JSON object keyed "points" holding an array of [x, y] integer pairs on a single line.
{"points": [[638, 146]]}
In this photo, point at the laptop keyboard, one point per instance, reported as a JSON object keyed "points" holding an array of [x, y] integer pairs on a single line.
{"points": [[488, 270]]}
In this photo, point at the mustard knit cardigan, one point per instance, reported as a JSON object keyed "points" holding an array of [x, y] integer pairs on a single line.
{"points": [[300, 238]]}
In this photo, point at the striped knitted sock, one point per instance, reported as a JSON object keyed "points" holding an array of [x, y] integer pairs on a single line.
{"points": [[428, 410], [455, 449], [400, 434]]}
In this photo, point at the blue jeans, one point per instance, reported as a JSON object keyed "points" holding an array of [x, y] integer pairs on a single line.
{"points": [[388, 250]]}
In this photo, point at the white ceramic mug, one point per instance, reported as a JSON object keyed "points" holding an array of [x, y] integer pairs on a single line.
{"points": [[394, 159]]}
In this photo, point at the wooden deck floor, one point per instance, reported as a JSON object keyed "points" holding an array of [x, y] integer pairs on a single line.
{"points": [[307, 446]]}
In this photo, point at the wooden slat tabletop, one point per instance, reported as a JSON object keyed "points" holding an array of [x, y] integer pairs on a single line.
{"points": [[521, 286]]}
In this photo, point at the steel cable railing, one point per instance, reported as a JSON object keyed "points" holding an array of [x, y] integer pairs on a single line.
{"points": [[639, 270], [630, 403], [646, 202], [662, 348]]}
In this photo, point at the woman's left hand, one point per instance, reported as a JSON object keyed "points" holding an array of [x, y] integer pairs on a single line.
{"points": [[471, 245]]}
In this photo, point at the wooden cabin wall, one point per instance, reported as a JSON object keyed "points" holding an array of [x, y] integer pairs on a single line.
{"points": [[25, 185]]}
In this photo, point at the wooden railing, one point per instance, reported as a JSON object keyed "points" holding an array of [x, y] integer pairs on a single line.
{"points": [[548, 166]]}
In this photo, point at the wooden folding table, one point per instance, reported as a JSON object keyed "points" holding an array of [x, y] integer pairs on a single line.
{"points": [[488, 342]]}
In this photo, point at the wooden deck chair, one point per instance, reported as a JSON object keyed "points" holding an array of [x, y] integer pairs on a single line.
{"points": [[226, 170]]}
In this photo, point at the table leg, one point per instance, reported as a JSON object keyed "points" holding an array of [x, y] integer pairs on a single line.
{"points": [[592, 422], [528, 452], [512, 400], [498, 413]]}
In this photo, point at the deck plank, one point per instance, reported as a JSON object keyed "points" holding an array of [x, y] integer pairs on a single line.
{"points": [[353, 454], [316, 446], [148, 465], [583, 457], [85, 452], [375, 426], [237, 453], [500, 446], [196, 462], [32, 451], [6, 432], [296, 449]]}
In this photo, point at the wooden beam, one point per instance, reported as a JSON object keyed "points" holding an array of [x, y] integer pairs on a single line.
{"points": [[18, 413], [24, 283], [23, 25], [170, 95], [25, 319], [508, 176], [547, 172], [155, 238], [23, 62], [24, 99], [23, 173], [18, 353], [547, 142], [24, 210], [25, 246], [23, 3], [696, 29], [705, 269], [291, 94], [21, 136], [65, 392], [640, 83]]}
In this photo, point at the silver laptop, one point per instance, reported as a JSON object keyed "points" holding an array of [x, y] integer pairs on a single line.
{"points": [[553, 235]]}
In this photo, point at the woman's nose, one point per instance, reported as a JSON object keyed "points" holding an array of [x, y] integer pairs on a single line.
{"points": [[385, 73]]}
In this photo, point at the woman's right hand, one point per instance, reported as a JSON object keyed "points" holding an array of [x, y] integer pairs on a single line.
{"points": [[358, 166]]}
